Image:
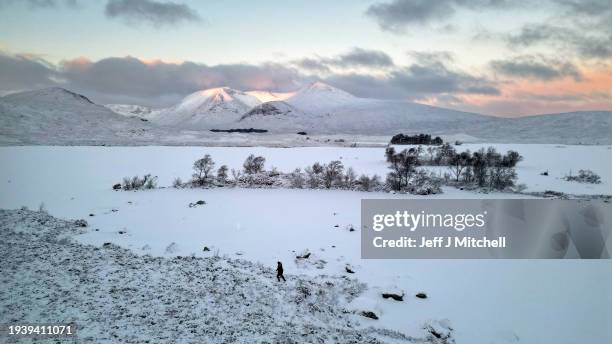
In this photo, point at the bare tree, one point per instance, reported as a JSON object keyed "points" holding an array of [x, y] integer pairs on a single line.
{"points": [[202, 168], [296, 179], [254, 164], [332, 173], [350, 178], [222, 174], [236, 174]]}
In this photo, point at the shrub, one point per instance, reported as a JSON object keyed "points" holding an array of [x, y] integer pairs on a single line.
{"points": [[254, 164], [296, 179], [137, 183], [332, 173], [420, 139], [202, 168], [177, 183], [222, 174], [585, 176]]}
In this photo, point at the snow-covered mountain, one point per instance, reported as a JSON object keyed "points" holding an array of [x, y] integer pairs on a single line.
{"points": [[275, 109], [319, 97], [208, 108], [127, 110], [269, 96], [58, 116]]}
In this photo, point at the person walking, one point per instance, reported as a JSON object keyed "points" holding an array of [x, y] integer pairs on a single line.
{"points": [[279, 272]]}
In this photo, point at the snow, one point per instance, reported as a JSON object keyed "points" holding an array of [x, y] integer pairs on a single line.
{"points": [[132, 110], [319, 97], [269, 96], [58, 116], [114, 295], [204, 109], [484, 301]]}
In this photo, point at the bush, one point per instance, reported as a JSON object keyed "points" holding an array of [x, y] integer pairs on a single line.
{"points": [[332, 173], [222, 174], [202, 168], [254, 164], [137, 183], [177, 183], [585, 176], [420, 139], [296, 179]]}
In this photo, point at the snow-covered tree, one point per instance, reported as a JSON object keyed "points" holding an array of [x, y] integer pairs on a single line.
{"points": [[254, 164], [202, 168]]}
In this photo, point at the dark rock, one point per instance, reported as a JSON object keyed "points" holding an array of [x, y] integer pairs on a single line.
{"points": [[349, 270], [117, 186], [122, 232], [393, 296], [92, 215], [80, 223], [369, 314], [421, 295], [250, 130], [205, 249], [107, 245], [302, 133], [304, 256], [200, 202], [336, 226]]}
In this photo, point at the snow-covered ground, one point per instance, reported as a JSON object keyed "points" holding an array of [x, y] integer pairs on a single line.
{"points": [[485, 301]]}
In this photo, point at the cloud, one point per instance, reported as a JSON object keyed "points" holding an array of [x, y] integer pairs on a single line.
{"points": [[154, 13], [359, 57], [353, 59], [397, 15], [131, 80], [432, 80], [313, 64], [539, 68], [161, 83], [578, 42], [414, 82], [20, 72], [582, 28]]}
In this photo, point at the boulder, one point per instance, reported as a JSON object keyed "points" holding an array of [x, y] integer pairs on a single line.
{"points": [[393, 296], [369, 314]]}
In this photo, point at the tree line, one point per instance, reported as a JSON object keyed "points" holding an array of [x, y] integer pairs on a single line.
{"points": [[482, 168]]}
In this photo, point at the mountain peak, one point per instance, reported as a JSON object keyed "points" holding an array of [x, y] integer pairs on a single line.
{"points": [[49, 94], [321, 86], [320, 97]]}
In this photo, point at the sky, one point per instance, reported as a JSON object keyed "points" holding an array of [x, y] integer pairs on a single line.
{"points": [[499, 57]]}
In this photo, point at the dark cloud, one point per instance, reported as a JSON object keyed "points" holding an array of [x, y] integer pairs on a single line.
{"points": [[313, 64], [540, 68], [579, 42], [154, 13], [417, 81], [359, 57], [397, 15], [161, 83], [21, 72], [582, 28], [355, 58], [130, 80]]}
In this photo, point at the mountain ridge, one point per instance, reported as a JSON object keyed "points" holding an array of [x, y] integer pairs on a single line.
{"points": [[58, 115]]}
